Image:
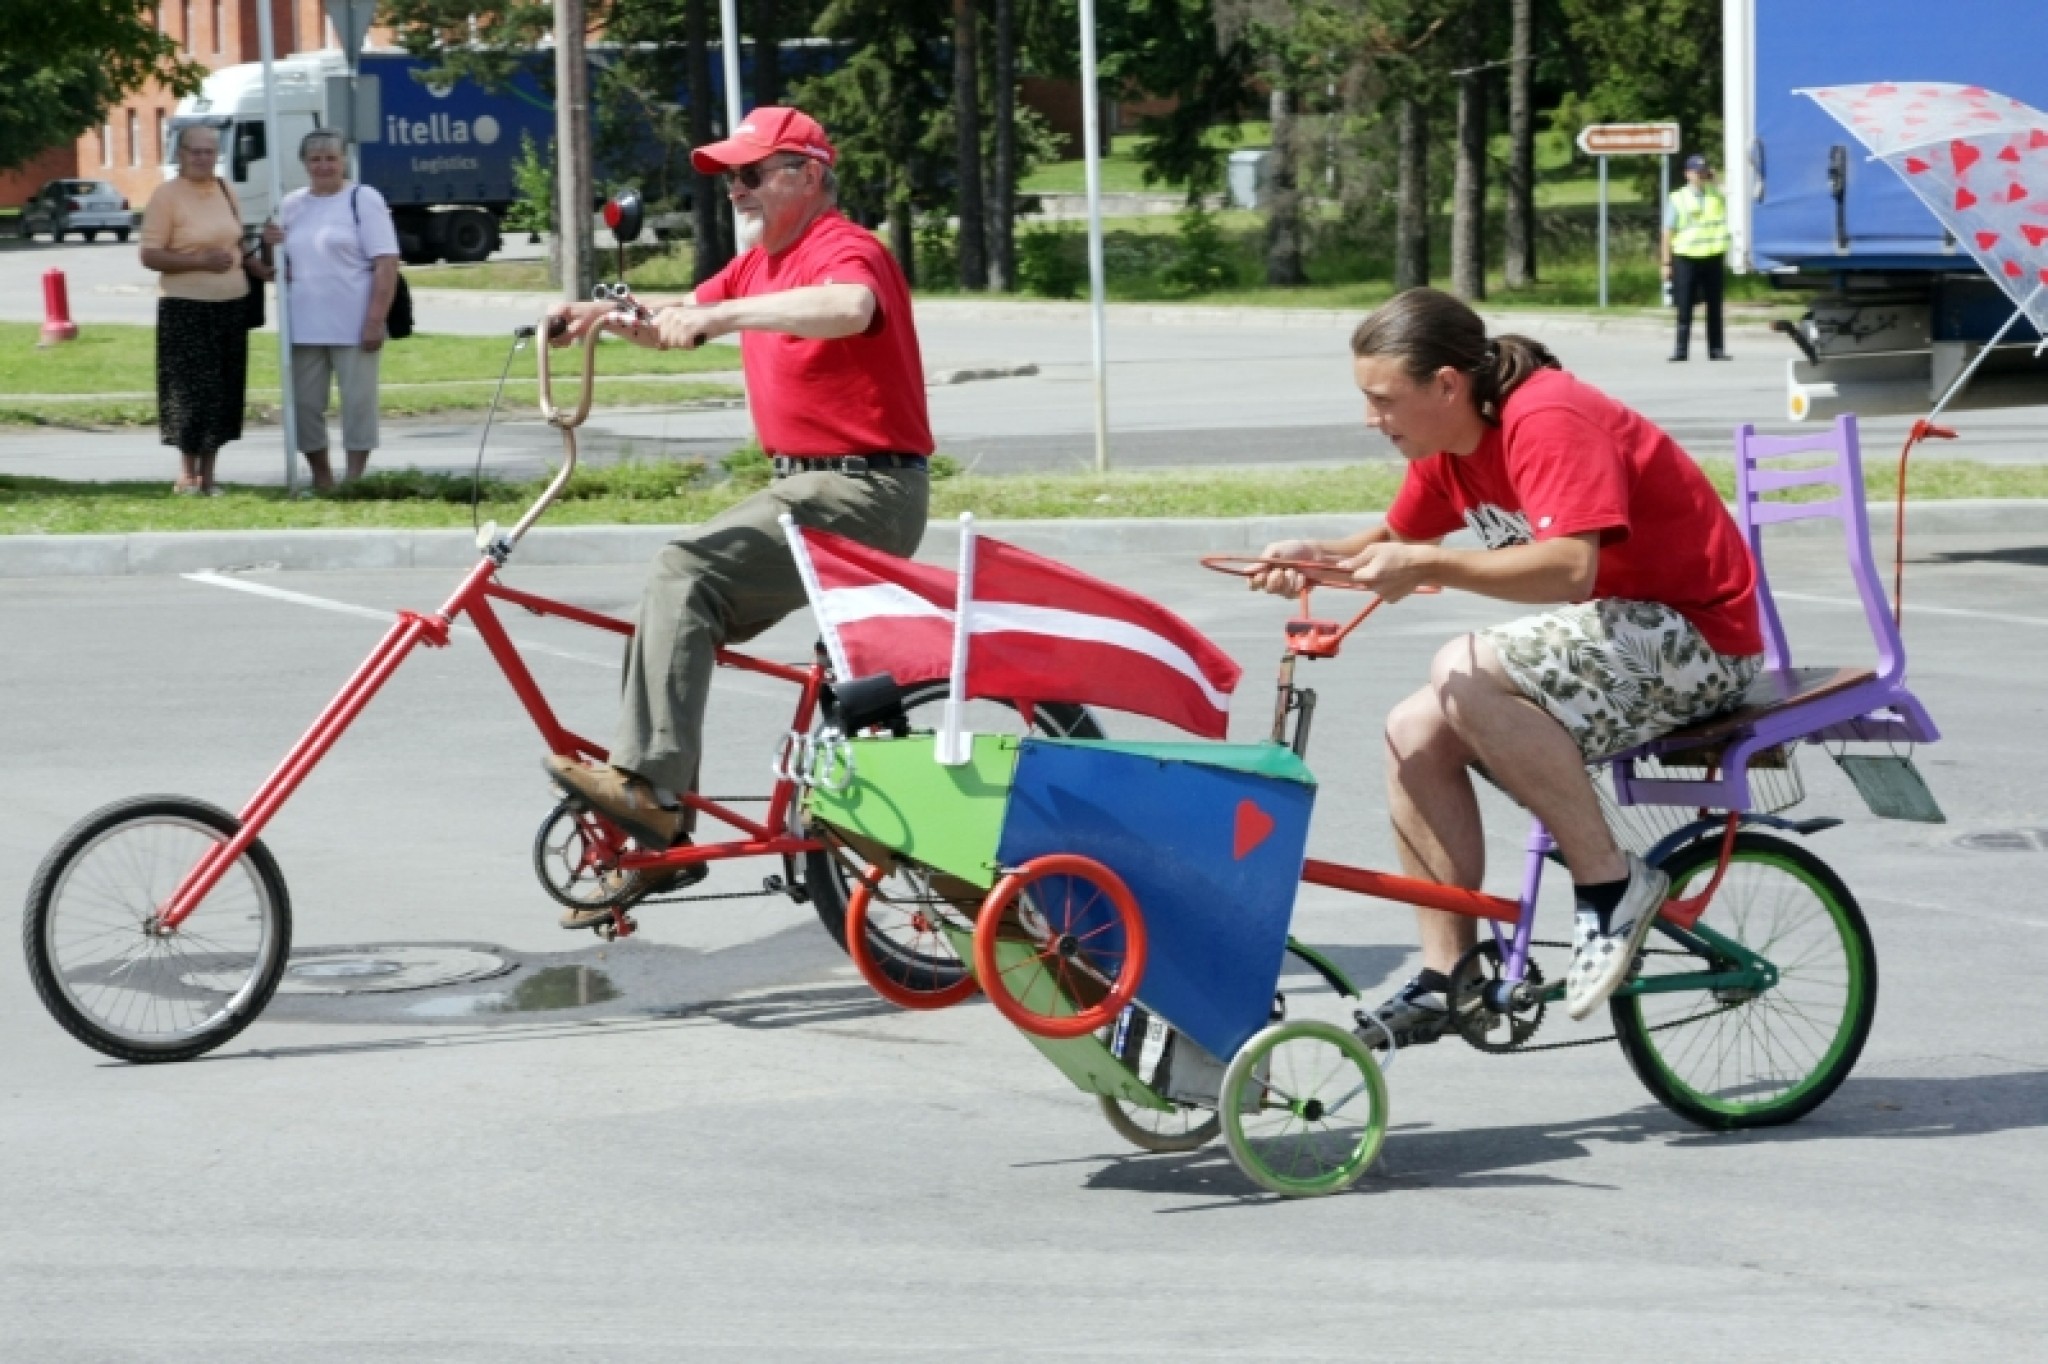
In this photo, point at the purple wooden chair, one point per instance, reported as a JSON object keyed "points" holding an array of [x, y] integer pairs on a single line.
{"points": [[1787, 704]]}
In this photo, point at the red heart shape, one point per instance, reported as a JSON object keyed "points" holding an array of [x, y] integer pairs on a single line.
{"points": [[2012, 269], [1964, 156], [1986, 240], [2015, 192], [1965, 199], [2044, 276], [2036, 140], [1253, 826], [2034, 233], [1915, 166], [1974, 92], [1881, 88], [2009, 154]]}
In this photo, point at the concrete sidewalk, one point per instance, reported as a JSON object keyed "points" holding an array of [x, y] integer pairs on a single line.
{"points": [[168, 552]]}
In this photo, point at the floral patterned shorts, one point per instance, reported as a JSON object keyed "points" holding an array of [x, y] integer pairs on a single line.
{"points": [[1619, 673]]}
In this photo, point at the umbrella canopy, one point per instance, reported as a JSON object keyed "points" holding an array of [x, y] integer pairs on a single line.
{"points": [[1979, 159]]}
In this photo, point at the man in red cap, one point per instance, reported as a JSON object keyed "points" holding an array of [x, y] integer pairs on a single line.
{"points": [[835, 386]]}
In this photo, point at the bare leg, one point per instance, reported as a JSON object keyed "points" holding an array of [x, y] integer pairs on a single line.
{"points": [[206, 458], [323, 475], [1528, 753], [188, 469], [1436, 818], [358, 465]]}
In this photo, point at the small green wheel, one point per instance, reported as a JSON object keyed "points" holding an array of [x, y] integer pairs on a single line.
{"points": [[1304, 1109], [1148, 1129]]}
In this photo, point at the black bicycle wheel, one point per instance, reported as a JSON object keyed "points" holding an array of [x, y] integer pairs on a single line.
{"points": [[899, 941], [103, 971], [1729, 1059]]}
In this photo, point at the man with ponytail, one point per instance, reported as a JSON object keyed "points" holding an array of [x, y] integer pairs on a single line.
{"points": [[1587, 510]]}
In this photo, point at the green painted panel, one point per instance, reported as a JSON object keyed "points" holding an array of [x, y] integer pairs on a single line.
{"points": [[1264, 759], [945, 817], [1086, 1061]]}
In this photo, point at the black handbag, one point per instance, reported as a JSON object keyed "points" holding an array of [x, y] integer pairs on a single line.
{"points": [[252, 301], [398, 318]]}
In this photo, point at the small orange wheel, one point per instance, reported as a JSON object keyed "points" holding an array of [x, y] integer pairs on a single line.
{"points": [[1060, 946], [921, 971]]}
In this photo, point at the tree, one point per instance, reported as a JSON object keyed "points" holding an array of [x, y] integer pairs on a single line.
{"points": [[64, 66], [710, 250], [1520, 266], [1411, 194], [1002, 205], [767, 53], [973, 238], [1468, 190], [1656, 60]]}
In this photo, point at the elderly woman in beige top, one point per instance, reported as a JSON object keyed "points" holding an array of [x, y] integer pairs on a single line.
{"points": [[192, 237]]}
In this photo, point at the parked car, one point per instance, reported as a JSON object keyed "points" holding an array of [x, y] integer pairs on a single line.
{"points": [[87, 207]]}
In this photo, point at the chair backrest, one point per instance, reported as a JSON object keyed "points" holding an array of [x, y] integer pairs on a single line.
{"points": [[1756, 479]]}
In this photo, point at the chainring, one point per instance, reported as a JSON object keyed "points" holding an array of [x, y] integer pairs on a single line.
{"points": [[1479, 1025]]}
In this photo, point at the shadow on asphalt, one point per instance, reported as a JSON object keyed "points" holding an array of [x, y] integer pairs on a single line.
{"points": [[1417, 1157], [2032, 556]]}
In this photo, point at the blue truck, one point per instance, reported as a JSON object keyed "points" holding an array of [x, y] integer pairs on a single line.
{"points": [[1895, 309]]}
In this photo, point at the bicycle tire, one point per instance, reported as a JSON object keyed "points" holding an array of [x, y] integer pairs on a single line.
{"points": [[1730, 1063], [1148, 1129], [108, 874], [830, 878], [1313, 1141]]}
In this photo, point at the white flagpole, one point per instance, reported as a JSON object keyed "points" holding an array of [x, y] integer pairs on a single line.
{"points": [[954, 747], [808, 571]]}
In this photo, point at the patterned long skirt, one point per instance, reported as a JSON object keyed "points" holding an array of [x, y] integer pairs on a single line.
{"points": [[202, 373]]}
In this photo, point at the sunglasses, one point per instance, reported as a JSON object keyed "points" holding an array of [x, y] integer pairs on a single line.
{"points": [[752, 176]]}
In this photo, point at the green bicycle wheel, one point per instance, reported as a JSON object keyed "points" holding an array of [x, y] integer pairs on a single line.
{"points": [[1304, 1109], [1737, 1058]]}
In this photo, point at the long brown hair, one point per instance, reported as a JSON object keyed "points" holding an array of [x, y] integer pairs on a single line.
{"points": [[1427, 329]]}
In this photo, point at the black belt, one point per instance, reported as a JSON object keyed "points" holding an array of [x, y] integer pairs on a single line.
{"points": [[785, 465]]}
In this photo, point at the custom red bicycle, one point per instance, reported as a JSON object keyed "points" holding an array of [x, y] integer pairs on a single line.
{"points": [[159, 926]]}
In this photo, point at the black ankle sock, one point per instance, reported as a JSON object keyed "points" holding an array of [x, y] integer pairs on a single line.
{"points": [[1432, 983], [1601, 899]]}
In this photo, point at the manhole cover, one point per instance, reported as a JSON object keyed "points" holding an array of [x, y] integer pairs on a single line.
{"points": [[369, 971], [2006, 840]]}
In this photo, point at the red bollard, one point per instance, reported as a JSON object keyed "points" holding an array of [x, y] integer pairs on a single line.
{"points": [[57, 323]]}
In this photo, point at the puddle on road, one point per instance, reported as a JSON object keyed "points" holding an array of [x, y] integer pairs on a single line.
{"points": [[557, 987], [553, 987]]}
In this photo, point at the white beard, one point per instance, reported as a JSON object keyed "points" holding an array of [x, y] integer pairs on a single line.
{"points": [[747, 230]]}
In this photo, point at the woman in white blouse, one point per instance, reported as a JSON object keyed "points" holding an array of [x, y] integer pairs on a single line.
{"points": [[341, 266]]}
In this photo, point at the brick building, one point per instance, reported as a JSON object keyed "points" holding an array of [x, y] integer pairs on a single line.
{"points": [[127, 148]]}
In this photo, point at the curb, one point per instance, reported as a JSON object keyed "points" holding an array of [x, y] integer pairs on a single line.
{"points": [[153, 553]]}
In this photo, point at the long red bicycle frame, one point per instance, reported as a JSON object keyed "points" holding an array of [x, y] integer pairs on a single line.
{"points": [[471, 598]]}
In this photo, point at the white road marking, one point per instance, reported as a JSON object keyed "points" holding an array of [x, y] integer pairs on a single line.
{"points": [[1961, 611]]}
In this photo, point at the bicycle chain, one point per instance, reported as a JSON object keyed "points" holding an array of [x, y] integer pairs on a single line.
{"points": [[1611, 1037]]}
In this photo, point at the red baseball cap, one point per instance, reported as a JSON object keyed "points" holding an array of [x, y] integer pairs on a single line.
{"points": [[763, 133]]}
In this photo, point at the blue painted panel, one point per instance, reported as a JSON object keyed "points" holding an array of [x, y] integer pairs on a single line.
{"points": [[1216, 905]]}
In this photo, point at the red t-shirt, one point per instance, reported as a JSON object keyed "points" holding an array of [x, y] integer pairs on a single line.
{"points": [[1567, 459], [858, 395]]}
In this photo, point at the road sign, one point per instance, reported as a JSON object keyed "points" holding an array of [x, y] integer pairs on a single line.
{"points": [[1629, 139], [351, 20]]}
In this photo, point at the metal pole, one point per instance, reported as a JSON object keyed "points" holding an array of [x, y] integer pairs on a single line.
{"points": [[729, 45], [268, 47], [1092, 168], [1603, 231]]}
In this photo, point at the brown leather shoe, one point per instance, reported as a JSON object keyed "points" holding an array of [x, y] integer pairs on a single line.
{"points": [[626, 889], [624, 799]]}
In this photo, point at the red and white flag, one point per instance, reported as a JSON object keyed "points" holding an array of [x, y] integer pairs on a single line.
{"points": [[1040, 631], [877, 613], [1035, 630]]}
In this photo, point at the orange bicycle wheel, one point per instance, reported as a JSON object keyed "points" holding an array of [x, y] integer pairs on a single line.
{"points": [[928, 972], [1060, 946]]}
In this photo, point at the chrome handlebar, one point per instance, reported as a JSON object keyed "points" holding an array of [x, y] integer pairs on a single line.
{"points": [[566, 420]]}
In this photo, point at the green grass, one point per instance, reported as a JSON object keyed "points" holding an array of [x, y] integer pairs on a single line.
{"points": [[107, 377], [686, 492]]}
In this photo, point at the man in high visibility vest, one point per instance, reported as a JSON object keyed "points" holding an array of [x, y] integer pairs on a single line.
{"points": [[1695, 245]]}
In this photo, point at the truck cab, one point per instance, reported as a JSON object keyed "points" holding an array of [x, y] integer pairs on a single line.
{"points": [[1895, 309]]}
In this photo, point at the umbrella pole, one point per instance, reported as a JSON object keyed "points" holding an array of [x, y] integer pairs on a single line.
{"points": [[1971, 368]]}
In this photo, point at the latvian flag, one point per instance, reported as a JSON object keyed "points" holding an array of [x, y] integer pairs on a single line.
{"points": [[1036, 630]]}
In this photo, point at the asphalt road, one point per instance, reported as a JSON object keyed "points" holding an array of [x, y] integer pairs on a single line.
{"points": [[741, 1155], [1185, 388]]}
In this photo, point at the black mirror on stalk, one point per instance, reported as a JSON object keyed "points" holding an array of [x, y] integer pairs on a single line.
{"points": [[623, 213]]}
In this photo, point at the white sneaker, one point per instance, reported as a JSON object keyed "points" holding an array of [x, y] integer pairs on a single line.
{"points": [[1602, 961]]}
